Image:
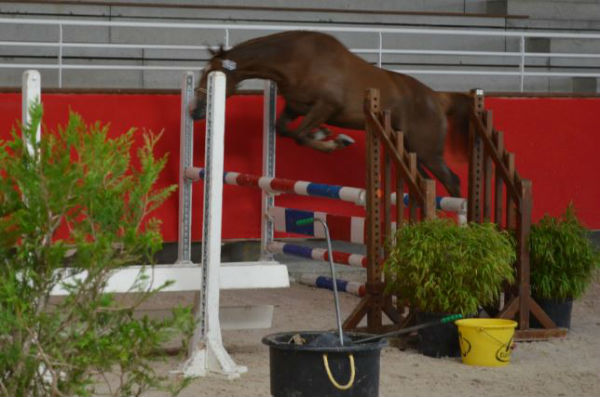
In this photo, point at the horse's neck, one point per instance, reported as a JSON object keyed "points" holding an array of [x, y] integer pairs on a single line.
{"points": [[258, 73], [256, 64]]}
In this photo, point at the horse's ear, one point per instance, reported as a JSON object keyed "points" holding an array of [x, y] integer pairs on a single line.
{"points": [[212, 51], [217, 53]]}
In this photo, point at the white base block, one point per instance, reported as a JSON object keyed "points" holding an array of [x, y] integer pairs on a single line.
{"points": [[211, 359], [233, 275]]}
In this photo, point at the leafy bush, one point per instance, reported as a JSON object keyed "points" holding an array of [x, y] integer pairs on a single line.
{"points": [[80, 181], [440, 267], [563, 258]]}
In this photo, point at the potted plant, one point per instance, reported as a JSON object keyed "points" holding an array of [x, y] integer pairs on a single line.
{"points": [[441, 268], [563, 262]]}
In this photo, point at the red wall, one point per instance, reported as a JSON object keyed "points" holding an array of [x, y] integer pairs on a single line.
{"points": [[555, 141]]}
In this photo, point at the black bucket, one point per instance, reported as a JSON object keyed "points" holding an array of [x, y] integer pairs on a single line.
{"points": [[438, 341], [329, 371]]}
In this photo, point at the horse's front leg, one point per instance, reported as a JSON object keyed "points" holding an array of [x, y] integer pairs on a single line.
{"points": [[317, 115], [287, 116]]}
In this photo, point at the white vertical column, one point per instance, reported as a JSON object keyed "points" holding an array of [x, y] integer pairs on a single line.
{"points": [[207, 353], [269, 115], [31, 92], [186, 157]]}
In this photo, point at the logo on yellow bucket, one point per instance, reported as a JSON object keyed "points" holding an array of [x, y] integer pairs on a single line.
{"points": [[503, 352], [465, 345]]}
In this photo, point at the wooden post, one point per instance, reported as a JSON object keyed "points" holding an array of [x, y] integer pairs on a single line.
{"points": [[498, 138], [429, 204], [523, 229], [487, 170], [511, 214], [412, 202], [399, 183], [475, 162], [387, 181]]}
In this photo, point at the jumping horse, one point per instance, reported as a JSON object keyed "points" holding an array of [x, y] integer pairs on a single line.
{"points": [[323, 81]]}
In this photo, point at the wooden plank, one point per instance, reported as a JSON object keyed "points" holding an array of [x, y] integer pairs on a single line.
{"points": [[487, 170], [399, 184], [413, 202], [387, 183], [429, 205], [357, 314], [539, 334], [511, 214], [498, 138], [523, 229], [510, 309], [369, 304], [475, 166], [540, 314]]}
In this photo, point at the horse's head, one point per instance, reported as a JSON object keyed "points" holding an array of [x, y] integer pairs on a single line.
{"points": [[218, 62]]}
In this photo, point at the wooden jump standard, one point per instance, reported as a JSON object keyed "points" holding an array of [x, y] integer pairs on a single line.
{"points": [[491, 170]]}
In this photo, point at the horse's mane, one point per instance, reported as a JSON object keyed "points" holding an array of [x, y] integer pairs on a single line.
{"points": [[265, 43], [218, 53]]}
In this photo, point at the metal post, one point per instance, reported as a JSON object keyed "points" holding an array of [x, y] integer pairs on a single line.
{"points": [[60, 54], [268, 200], [380, 60], [186, 154], [522, 64]]}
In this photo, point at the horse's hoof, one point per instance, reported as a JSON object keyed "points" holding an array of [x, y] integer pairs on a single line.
{"points": [[320, 134], [343, 140]]}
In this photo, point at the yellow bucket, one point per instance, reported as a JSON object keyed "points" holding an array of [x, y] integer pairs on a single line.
{"points": [[486, 342]]}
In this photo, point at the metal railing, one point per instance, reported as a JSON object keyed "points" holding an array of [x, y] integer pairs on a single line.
{"points": [[519, 69]]}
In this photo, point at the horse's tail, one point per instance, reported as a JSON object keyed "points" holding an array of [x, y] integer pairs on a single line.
{"points": [[458, 108]]}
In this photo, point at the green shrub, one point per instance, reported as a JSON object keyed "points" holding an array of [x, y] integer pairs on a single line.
{"points": [[79, 180], [438, 266], [563, 258]]}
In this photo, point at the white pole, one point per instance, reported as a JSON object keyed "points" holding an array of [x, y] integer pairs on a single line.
{"points": [[31, 92], [207, 353]]}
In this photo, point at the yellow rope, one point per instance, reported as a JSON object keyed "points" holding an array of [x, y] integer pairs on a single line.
{"points": [[333, 381]]}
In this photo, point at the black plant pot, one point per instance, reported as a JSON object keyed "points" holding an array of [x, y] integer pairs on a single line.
{"points": [[439, 340], [558, 311]]}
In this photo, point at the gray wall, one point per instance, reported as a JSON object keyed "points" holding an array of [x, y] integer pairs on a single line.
{"points": [[531, 15]]}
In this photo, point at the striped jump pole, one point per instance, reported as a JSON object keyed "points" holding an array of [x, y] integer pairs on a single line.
{"points": [[281, 185], [351, 287], [303, 188], [319, 254]]}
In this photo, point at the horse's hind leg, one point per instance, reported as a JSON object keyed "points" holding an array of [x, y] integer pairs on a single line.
{"points": [[440, 170]]}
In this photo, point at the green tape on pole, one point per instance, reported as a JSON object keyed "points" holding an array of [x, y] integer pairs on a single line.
{"points": [[305, 221]]}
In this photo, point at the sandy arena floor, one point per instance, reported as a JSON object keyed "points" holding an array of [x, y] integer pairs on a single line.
{"points": [[565, 367]]}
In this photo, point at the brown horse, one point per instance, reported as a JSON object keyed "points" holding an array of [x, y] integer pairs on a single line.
{"points": [[324, 82]]}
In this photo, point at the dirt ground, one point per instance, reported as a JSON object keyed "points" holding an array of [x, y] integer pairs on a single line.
{"points": [[560, 367]]}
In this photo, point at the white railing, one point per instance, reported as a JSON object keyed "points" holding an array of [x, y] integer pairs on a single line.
{"points": [[519, 69]]}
